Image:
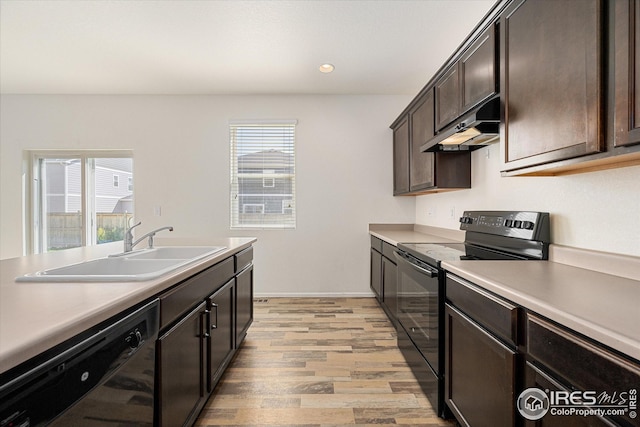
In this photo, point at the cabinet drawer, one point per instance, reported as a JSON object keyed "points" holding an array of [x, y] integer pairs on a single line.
{"points": [[244, 258], [194, 290], [495, 314], [536, 378], [577, 361], [388, 250], [376, 244]]}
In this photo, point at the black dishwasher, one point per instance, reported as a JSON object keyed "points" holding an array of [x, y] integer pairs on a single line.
{"points": [[102, 377]]}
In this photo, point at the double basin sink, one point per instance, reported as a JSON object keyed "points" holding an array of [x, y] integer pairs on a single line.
{"points": [[145, 264]]}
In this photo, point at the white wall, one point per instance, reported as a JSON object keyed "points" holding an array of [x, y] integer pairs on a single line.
{"points": [[596, 210], [181, 163]]}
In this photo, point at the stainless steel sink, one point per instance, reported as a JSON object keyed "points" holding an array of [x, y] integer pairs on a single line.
{"points": [[141, 265]]}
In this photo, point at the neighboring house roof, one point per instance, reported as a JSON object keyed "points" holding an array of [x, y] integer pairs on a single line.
{"points": [[124, 205]]}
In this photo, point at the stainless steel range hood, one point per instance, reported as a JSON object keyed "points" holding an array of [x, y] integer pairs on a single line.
{"points": [[477, 128]]}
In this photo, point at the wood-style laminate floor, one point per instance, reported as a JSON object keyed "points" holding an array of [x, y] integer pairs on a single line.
{"points": [[319, 362]]}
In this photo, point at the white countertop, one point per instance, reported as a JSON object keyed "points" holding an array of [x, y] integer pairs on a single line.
{"points": [[37, 316], [408, 233], [604, 307], [600, 306]]}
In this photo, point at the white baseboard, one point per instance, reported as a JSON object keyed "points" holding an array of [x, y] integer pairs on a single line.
{"points": [[315, 295]]}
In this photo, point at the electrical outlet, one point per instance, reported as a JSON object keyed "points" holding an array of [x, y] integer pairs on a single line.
{"points": [[157, 211], [452, 212]]}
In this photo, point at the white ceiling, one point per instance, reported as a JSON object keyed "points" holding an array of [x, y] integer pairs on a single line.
{"points": [[228, 47]]}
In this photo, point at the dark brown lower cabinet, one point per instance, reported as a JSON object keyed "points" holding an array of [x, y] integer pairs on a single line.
{"points": [[560, 359], [536, 378], [390, 280], [221, 336], [181, 369], [244, 303], [376, 275], [204, 321], [480, 374], [383, 280]]}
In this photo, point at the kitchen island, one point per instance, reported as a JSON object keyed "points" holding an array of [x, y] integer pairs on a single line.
{"points": [[37, 316], [104, 345]]}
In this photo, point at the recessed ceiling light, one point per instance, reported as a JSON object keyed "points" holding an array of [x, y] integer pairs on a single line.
{"points": [[326, 68]]}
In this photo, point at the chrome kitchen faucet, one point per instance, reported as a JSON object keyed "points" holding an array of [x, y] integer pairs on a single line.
{"points": [[128, 237]]}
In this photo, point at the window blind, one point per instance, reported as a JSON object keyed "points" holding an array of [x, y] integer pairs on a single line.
{"points": [[262, 175]]}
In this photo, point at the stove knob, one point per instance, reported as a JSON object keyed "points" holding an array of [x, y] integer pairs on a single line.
{"points": [[508, 223], [527, 225], [134, 339]]}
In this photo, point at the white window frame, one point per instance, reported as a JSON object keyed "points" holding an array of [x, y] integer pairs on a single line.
{"points": [[116, 181], [268, 182], [285, 206], [35, 226], [253, 205], [263, 140]]}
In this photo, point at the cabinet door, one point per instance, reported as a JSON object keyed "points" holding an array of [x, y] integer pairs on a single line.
{"points": [[221, 337], [627, 72], [478, 70], [535, 378], [479, 374], [448, 97], [376, 274], [244, 303], [422, 130], [551, 81], [181, 369], [401, 158], [390, 279]]}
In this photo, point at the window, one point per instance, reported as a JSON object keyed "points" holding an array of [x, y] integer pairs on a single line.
{"points": [[262, 174], [268, 182], [76, 199]]}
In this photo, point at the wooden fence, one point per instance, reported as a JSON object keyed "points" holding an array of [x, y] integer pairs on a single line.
{"points": [[64, 230]]}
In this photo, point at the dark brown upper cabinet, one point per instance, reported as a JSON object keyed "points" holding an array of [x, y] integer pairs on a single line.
{"points": [[421, 119], [416, 172], [551, 81], [478, 66], [401, 157], [627, 72], [448, 97], [470, 80]]}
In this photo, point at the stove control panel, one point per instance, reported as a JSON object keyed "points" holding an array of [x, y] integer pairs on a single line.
{"points": [[520, 224]]}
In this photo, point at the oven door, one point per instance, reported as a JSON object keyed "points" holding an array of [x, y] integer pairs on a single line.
{"points": [[419, 306]]}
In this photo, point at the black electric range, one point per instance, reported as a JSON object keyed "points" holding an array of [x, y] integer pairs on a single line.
{"points": [[489, 235]]}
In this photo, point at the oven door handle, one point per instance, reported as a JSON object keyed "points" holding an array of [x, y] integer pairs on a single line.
{"points": [[426, 270]]}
